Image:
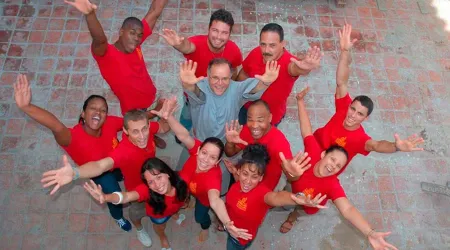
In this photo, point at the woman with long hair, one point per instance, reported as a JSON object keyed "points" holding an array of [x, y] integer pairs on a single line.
{"points": [[163, 191], [91, 139]]}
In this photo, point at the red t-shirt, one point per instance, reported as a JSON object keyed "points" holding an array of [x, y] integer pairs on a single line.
{"points": [[276, 142], [247, 210], [200, 183], [173, 205], [203, 55], [334, 132], [309, 184], [84, 148], [130, 158], [277, 93], [127, 75]]}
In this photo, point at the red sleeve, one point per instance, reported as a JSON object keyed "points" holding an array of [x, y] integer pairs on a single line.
{"points": [[362, 147], [246, 136], [237, 55], [285, 147], [104, 58], [154, 127], [143, 191], [147, 30], [312, 147], [195, 148], [336, 191], [118, 155], [246, 63], [116, 122], [342, 103], [196, 40], [214, 180], [183, 175], [263, 191]]}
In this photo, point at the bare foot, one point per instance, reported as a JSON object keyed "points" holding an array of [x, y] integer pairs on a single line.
{"points": [[203, 236], [164, 242]]}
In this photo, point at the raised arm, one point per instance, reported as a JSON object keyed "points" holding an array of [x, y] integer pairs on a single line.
{"points": [[383, 146], [270, 75], [188, 78], [305, 123], [219, 208], [242, 75], [66, 174], [345, 59], [284, 198], [310, 62], [22, 96], [295, 167], [115, 198], [352, 214], [154, 12], [179, 43], [99, 39], [232, 131]]}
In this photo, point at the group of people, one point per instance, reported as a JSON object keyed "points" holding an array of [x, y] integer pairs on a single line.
{"points": [[228, 130]]}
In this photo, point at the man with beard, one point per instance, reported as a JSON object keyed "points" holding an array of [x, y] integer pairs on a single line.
{"points": [[272, 48], [203, 48], [259, 130], [122, 64]]}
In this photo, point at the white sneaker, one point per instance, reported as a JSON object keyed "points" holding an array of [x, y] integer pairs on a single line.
{"points": [[144, 238]]}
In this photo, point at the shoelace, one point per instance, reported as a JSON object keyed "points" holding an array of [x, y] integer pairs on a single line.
{"points": [[121, 222]]}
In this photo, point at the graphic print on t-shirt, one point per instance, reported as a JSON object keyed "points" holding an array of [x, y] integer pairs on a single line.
{"points": [[193, 187], [139, 52], [242, 204], [115, 143], [308, 191], [341, 141]]}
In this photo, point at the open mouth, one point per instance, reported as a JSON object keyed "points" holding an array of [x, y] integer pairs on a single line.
{"points": [[255, 132], [329, 169], [96, 120]]}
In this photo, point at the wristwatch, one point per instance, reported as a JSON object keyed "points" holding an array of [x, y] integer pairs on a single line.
{"points": [[76, 172], [300, 194]]}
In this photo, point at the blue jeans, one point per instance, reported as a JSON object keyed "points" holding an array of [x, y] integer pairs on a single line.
{"points": [[233, 244], [109, 182], [243, 117], [202, 215]]}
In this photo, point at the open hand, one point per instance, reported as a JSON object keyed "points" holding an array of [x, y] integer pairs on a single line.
{"points": [[301, 95], [271, 73], [297, 166], [377, 241], [306, 200], [22, 91], [171, 37], [95, 191], [58, 177], [187, 73], [345, 41], [408, 145], [169, 107], [84, 6], [232, 132], [311, 60]]}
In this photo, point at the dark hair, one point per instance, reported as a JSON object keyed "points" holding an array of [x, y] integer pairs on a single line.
{"points": [[366, 102], [273, 27], [222, 16], [86, 103], [132, 21], [260, 102], [256, 154], [156, 166], [134, 115], [218, 61], [336, 148], [216, 142]]}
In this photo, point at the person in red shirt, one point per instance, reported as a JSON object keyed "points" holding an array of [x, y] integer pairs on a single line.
{"points": [[91, 139], [345, 128], [321, 178], [259, 130], [248, 201], [163, 190], [202, 174], [204, 48], [122, 64], [135, 148], [271, 48]]}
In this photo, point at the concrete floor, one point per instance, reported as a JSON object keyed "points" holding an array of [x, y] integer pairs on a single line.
{"points": [[402, 61]]}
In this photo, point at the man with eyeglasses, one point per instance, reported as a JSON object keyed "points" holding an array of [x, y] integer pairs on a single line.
{"points": [[216, 99]]}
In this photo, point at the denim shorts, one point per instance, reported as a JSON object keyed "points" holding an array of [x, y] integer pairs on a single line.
{"points": [[159, 221]]}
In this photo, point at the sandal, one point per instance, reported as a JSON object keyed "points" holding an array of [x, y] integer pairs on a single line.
{"points": [[288, 224]]}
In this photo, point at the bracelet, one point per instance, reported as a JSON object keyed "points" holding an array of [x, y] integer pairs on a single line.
{"points": [[76, 172], [225, 225], [120, 198], [370, 233]]}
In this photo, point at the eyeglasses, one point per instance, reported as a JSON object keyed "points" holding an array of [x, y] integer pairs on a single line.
{"points": [[216, 79]]}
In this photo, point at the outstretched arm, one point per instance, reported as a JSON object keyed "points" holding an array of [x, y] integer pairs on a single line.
{"points": [[383, 146], [22, 96], [305, 123], [97, 193], [154, 12], [303, 67], [188, 78], [343, 68], [270, 75], [99, 39], [284, 198], [179, 43], [352, 214]]}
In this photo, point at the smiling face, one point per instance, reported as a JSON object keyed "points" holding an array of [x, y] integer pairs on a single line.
{"points": [[219, 78], [208, 157], [138, 132], [271, 46], [94, 115], [218, 35], [249, 177], [130, 37], [258, 120], [331, 163], [356, 114], [158, 182]]}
